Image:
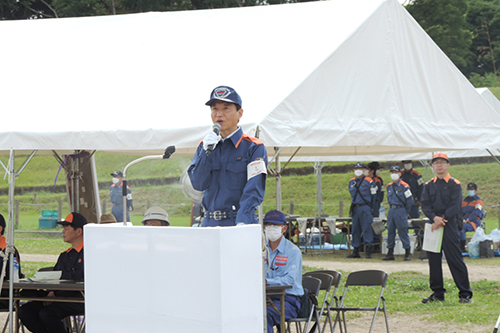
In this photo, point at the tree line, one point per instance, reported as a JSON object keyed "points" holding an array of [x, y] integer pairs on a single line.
{"points": [[468, 31]]}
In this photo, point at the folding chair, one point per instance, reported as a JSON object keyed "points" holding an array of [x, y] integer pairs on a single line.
{"points": [[313, 284], [326, 285], [332, 300], [367, 278]]}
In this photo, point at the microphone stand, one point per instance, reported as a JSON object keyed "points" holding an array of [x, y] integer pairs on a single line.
{"points": [[168, 152]]}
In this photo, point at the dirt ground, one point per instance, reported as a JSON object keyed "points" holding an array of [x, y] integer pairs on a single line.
{"points": [[404, 322]]}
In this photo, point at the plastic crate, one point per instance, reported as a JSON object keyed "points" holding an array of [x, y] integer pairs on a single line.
{"points": [[48, 220], [50, 213]]}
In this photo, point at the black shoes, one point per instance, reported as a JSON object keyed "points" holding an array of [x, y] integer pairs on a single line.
{"points": [[464, 299], [407, 255], [390, 255], [354, 254], [432, 298]]}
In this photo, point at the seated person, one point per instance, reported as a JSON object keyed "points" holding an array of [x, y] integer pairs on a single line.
{"points": [[472, 209], [48, 316], [283, 267], [4, 304], [156, 216]]}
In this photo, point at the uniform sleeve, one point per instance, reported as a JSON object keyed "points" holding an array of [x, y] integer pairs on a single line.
{"points": [[426, 203], [409, 201], [477, 214], [254, 190], [420, 188], [200, 170], [129, 195], [373, 193], [455, 203], [293, 270]]}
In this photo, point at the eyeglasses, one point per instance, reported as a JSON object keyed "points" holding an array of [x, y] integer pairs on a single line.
{"points": [[439, 162]]}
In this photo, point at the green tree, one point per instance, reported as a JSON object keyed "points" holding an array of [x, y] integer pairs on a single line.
{"points": [[25, 9], [484, 19], [444, 21]]}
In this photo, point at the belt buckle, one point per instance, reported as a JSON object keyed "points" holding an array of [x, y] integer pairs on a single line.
{"points": [[217, 215]]}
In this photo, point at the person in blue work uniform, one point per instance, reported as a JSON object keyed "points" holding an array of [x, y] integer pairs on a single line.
{"points": [[363, 192], [400, 201], [374, 174], [283, 266], [472, 210], [414, 179], [46, 317], [230, 166], [116, 196], [441, 203]]}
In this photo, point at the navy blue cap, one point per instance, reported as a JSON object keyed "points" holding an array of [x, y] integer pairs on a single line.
{"points": [[2, 223], [76, 220], [471, 186], [117, 173], [396, 168], [359, 165], [226, 94], [275, 217]]}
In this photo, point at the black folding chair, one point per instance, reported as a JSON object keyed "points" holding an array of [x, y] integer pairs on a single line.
{"points": [[331, 300], [367, 278], [312, 284], [326, 285]]}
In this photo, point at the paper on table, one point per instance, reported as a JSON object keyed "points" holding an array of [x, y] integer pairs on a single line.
{"points": [[432, 239]]}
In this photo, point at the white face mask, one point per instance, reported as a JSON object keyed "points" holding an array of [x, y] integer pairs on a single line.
{"points": [[365, 172], [358, 172], [395, 176], [377, 172], [273, 232], [115, 180], [408, 166]]}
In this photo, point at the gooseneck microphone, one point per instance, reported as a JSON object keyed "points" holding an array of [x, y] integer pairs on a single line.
{"points": [[216, 128]]}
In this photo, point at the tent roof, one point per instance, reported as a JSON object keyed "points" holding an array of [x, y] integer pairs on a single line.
{"points": [[354, 77]]}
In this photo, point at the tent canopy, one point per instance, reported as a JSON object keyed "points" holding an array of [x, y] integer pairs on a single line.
{"points": [[339, 77]]}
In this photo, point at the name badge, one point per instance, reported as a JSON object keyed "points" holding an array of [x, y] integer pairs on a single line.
{"points": [[256, 168]]}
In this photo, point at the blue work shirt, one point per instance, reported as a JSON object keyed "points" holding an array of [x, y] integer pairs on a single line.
{"points": [[285, 267], [399, 193], [116, 196], [472, 209], [367, 191], [223, 177]]}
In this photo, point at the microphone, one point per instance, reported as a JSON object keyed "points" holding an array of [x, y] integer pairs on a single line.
{"points": [[210, 148]]}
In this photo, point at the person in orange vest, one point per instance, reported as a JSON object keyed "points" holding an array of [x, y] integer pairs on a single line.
{"points": [[472, 209]]}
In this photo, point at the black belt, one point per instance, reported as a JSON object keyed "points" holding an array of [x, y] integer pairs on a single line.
{"points": [[360, 205], [115, 204], [395, 206], [222, 215]]}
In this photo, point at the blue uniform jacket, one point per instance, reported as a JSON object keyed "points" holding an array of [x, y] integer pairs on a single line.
{"points": [[223, 176], [367, 191], [397, 190], [442, 197], [116, 195], [414, 180], [472, 208], [286, 267]]}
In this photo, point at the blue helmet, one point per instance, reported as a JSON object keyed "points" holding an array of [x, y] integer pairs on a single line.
{"points": [[226, 94]]}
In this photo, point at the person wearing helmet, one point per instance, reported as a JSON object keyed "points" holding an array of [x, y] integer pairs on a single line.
{"points": [[116, 196], [363, 192], [229, 166], [156, 217], [472, 210], [442, 204]]}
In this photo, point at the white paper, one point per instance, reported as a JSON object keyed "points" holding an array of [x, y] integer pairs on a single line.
{"points": [[432, 239]]}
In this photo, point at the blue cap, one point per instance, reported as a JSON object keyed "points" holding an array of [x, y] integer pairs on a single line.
{"points": [[275, 217], [396, 168], [117, 173], [226, 94], [359, 165]]}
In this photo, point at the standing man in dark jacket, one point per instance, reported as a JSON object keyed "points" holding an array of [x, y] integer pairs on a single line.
{"points": [[441, 203], [45, 317]]}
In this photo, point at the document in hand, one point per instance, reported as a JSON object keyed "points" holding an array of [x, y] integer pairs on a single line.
{"points": [[432, 239]]}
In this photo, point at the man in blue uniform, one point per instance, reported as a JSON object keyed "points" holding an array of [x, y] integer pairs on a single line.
{"points": [[414, 179], [472, 209], [441, 203], [283, 266], [47, 316], [363, 192], [229, 167], [374, 174], [116, 196], [400, 201]]}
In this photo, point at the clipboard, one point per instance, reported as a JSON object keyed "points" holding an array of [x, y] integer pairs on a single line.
{"points": [[432, 239]]}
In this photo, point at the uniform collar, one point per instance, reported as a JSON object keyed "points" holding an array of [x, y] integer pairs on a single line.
{"points": [[3, 242], [445, 178], [235, 137], [281, 245]]}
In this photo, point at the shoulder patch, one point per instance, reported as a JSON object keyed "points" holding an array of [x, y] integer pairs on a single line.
{"points": [[415, 172], [456, 181], [405, 184], [369, 179], [252, 139]]}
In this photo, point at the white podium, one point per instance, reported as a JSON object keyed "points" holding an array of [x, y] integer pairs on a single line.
{"points": [[170, 279]]}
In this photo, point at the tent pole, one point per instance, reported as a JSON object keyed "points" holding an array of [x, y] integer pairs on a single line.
{"points": [[277, 164], [10, 239], [76, 190], [318, 166], [496, 159]]}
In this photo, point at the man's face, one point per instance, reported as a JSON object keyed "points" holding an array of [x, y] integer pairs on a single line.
{"points": [[153, 223], [440, 166], [70, 234], [225, 114]]}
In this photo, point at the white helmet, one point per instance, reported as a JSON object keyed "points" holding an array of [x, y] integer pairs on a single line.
{"points": [[156, 213]]}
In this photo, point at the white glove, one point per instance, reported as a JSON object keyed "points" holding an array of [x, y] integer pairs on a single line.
{"points": [[211, 139], [239, 224]]}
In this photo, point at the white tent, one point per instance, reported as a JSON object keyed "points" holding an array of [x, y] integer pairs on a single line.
{"points": [[332, 77]]}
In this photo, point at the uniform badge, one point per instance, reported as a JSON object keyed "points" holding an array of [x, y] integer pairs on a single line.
{"points": [[221, 93]]}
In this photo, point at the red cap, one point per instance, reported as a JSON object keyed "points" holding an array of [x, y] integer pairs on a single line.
{"points": [[440, 155]]}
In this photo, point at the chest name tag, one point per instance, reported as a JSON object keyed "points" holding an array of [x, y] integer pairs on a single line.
{"points": [[256, 168], [420, 181], [407, 193], [373, 190]]}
